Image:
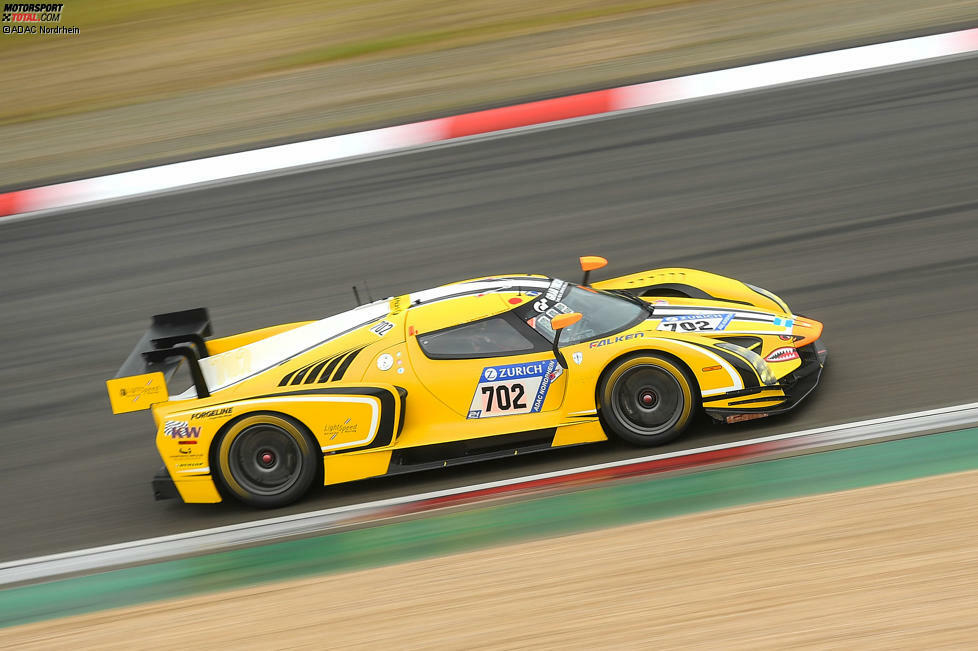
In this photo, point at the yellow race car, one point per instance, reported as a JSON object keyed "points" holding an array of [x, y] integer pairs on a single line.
{"points": [[474, 370]]}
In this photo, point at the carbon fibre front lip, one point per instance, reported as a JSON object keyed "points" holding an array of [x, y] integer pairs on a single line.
{"points": [[796, 385]]}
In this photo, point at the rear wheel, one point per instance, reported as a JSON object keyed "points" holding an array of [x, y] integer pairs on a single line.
{"points": [[647, 399], [266, 460]]}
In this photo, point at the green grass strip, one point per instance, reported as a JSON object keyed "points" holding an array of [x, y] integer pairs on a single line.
{"points": [[554, 515]]}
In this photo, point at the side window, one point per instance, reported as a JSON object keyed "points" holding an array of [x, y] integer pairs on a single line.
{"points": [[491, 337]]}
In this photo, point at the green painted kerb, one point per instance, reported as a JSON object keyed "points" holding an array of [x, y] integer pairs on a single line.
{"points": [[545, 516]]}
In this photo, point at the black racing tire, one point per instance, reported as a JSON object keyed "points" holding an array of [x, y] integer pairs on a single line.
{"points": [[266, 460], [647, 399]]}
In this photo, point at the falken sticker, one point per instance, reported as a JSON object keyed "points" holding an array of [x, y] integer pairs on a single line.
{"points": [[782, 355], [513, 389], [615, 340], [696, 322]]}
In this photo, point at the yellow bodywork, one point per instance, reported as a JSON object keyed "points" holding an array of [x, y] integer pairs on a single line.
{"points": [[372, 398], [136, 392]]}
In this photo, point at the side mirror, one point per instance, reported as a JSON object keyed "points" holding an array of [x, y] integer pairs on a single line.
{"points": [[558, 323], [589, 263]]}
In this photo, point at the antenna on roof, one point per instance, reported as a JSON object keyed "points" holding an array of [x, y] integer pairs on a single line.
{"points": [[356, 295]]}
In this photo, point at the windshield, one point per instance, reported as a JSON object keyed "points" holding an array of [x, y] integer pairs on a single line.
{"points": [[602, 313]]}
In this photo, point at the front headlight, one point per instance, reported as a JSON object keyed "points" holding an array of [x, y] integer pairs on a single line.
{"points": [[762, 368]]}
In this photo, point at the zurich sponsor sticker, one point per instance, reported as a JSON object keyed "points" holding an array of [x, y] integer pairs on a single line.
{"points": [[513, 389]]}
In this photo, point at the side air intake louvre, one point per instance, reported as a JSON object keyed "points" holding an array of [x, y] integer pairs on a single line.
{"points": [[328, 369]]}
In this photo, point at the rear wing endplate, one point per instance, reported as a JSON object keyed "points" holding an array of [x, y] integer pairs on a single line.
{"points": [[172, 338]]}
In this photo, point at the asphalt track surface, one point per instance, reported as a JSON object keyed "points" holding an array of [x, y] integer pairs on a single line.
{"points": [[855, 199]]}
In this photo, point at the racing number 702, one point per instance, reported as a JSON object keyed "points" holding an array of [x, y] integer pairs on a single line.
{"points": [[507, 397], [688, 326]]}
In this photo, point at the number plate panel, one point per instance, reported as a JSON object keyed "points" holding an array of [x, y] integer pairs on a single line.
{"points": [[513, 389], [695, 323]]}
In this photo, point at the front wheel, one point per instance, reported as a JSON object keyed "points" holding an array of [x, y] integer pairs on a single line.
{"points": [[266, 460], [647, 399]]}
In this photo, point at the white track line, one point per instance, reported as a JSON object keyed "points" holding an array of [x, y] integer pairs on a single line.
{"points": [[261, 531], [457, 129]]}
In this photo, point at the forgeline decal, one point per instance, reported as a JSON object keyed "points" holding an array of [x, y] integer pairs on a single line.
{"points": [[696, 322], [615, 340], [513, 389], [211, 413], [182, 431], [785, 354]]}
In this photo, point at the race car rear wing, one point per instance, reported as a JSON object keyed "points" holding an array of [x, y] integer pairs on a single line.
{"points": [[172, 338]]}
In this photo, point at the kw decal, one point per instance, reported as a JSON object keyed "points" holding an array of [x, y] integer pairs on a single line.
{"points": [[181, 430]]}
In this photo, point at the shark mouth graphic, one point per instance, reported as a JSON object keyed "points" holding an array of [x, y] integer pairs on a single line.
{"points": [[782, 355]]}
